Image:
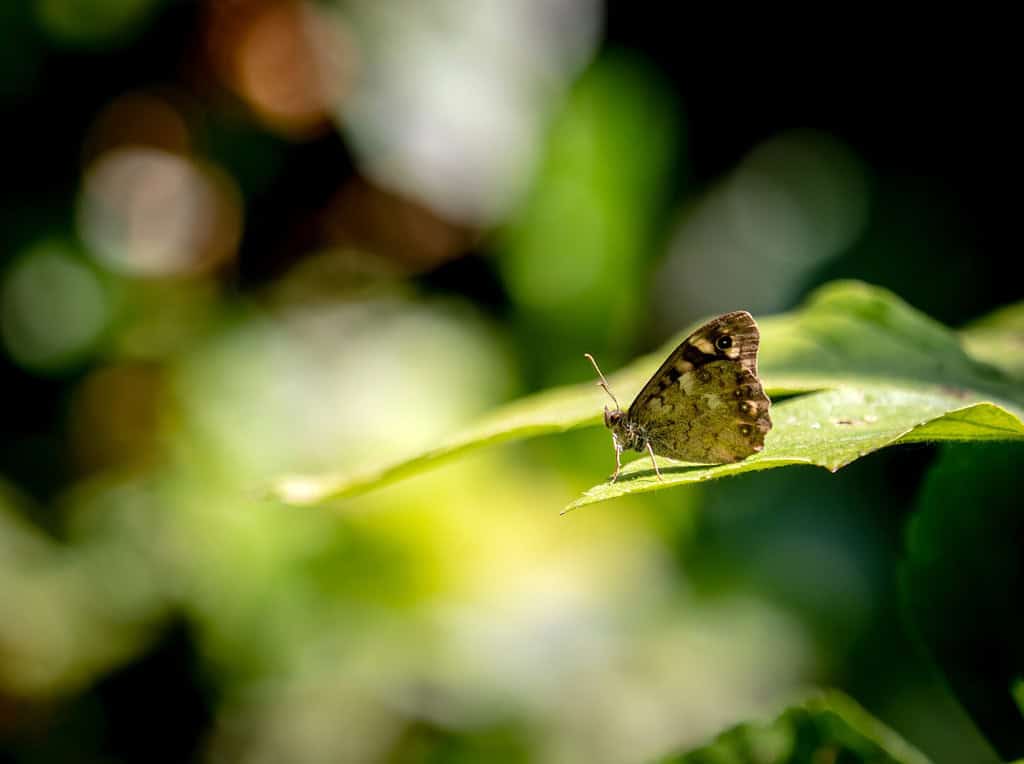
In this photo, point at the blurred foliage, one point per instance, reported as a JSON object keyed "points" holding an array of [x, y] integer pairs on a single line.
{"points": [[828, 727], [970, 502], [998, 339], [573, 254]]}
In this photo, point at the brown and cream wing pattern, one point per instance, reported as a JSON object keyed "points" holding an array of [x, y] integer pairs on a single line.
{"points": [[706, 403]]}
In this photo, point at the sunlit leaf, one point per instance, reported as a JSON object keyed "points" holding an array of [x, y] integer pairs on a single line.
{"points": [[831, 429], [827, 727], [892, 374]]}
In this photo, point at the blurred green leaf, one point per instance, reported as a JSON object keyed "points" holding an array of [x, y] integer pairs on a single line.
{"points": [[828, 727], [962, 580], [998, 339], [572, 256], [883, 372]]}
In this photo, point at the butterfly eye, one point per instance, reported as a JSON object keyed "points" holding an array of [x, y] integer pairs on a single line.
{"points": [[724, 342]]}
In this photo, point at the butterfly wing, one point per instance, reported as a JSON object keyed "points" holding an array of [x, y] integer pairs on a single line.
{"points": [[706, 403]]}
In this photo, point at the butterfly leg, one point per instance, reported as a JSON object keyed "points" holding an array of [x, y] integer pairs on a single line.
{"points": [[618, 457], [656, 470]]}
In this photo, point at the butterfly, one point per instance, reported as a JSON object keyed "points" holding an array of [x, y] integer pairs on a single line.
{"points": [[705, 404]]}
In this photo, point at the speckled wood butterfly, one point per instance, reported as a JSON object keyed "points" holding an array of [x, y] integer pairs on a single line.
{"points": [[705, 404]]}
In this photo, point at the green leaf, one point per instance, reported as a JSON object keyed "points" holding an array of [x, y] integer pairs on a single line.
{"points": [[998, 339], [556, 410], [961, 579], [827, 727], [831, 429], [895, 375]]}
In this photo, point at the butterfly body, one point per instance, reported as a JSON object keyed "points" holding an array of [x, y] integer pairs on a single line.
{"points": [[705, 403], [625, 433]]}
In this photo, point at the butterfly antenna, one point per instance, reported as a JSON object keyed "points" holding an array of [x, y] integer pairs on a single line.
{"points": [[604, 382]]}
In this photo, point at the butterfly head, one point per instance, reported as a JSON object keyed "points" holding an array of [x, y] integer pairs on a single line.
{"points": [[613, 417], [625, 434]]}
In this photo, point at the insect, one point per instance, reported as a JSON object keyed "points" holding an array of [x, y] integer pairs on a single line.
{"points": [[705, 404]]}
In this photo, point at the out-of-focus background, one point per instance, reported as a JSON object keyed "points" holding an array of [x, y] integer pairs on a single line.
{"points": [[240, 238]]}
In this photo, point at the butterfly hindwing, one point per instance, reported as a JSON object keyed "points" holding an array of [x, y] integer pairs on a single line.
{"points": [[706, 403], [716, 414]]}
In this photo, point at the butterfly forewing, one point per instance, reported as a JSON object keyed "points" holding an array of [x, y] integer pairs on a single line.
{"points": [[706, 403]]}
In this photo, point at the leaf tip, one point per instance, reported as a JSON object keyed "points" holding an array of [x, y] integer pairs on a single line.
{"points": [[570, 507]]}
